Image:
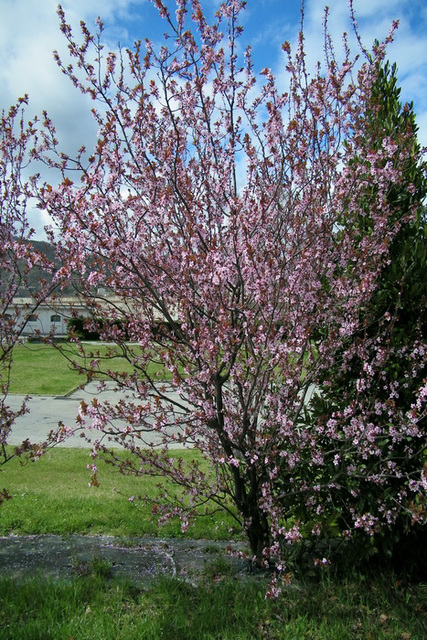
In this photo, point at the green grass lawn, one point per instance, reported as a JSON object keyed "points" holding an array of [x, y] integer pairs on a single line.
{"points": [[40, 369], [53, 496], [94, 608]]}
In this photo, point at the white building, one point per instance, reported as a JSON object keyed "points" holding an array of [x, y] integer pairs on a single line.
{"points": [[50, 316], [53, 314]]}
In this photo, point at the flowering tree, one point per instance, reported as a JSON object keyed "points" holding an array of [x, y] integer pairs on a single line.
{"points": [[18, 259], [221, 219]]}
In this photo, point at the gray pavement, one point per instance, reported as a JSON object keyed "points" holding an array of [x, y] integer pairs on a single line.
{"points": [[45, 412]]}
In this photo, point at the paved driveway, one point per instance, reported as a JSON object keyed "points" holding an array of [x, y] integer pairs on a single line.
{"points": [[47, 411]]}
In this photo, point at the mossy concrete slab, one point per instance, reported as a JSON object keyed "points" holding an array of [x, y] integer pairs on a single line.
{"points": [[138, 560]]}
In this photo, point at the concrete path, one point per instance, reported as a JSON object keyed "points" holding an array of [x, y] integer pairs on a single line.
{"points": [[139, 560], [46, 411]]}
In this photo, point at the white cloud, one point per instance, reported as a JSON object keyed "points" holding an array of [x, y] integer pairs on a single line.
{"points": [[29, 33]]}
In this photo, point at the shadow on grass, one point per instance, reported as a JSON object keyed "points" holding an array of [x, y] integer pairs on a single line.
{"points": [[91, 606]]}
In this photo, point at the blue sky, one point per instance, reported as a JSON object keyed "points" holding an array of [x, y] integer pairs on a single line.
{"points": [[29, 33]]}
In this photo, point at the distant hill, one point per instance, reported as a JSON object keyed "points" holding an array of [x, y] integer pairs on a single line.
{"points": [[36, 274]]}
